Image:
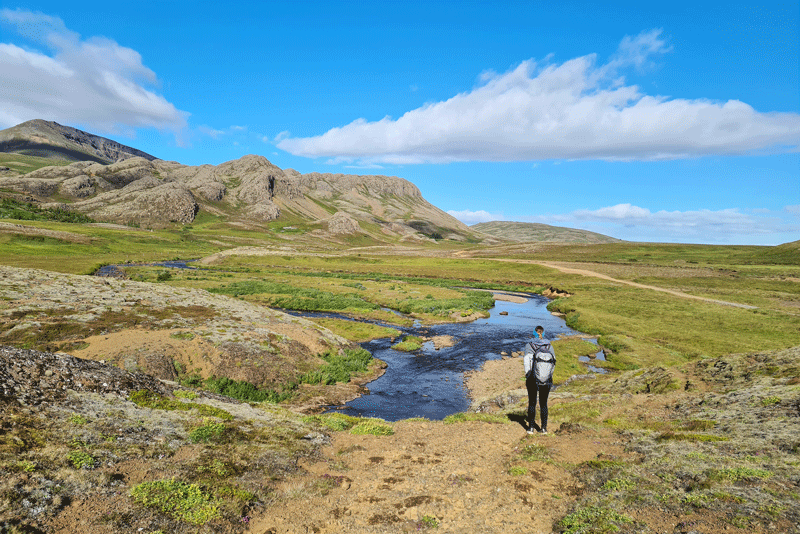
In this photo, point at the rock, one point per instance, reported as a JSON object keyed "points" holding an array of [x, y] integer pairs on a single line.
{"points": [[503, 313], [343, 223], [31, 377], [168, 202], [81, 186]]}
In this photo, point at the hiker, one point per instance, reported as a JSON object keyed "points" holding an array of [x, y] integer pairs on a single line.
{"points": [[539, 362]]}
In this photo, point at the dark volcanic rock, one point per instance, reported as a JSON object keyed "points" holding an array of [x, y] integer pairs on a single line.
{"points": [[31, 377]]}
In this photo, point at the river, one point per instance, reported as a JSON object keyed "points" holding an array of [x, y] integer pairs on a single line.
{"points": [[429, 383]]}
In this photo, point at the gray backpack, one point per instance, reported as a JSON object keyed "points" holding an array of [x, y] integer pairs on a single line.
{"points": [[540, 361]]}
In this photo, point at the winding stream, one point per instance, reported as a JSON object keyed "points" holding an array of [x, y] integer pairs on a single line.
{"points": [[430, 383]]}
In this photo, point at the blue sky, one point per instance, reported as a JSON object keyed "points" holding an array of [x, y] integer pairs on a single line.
{"points": [[673, 122]]}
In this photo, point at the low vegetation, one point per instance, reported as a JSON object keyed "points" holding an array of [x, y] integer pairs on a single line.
{"points": [[717, 440]]}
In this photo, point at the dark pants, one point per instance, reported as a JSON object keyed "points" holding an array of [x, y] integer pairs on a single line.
{"points": [[533, 391]]}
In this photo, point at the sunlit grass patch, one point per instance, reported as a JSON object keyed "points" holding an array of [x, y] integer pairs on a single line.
{"points": [[594, 520], [339, 367], [679, 436], [148, 399], [463, 417], [408, 344], [333, 421], [179, 500], [357, 331], [374, 427], [734, 474]]}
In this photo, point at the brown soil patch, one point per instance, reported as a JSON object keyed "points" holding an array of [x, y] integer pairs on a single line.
{"points": [[138, 348], [456, 473], [494, 378]]}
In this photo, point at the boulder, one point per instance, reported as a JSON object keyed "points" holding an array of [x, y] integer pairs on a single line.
{"points": [[343, 223], [79, 187]]}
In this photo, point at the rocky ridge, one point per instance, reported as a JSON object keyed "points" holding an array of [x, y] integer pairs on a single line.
{"points": [[158, 193], [50, 139]]}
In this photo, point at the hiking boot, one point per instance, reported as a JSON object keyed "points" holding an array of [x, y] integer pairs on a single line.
{"points": [[531, 430], [544, 431]]}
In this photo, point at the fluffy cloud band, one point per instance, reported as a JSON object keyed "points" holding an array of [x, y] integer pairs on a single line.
{"points": [[94, 82], [573, 110]]}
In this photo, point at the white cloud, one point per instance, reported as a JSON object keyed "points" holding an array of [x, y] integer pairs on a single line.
{"points": [[474, 217], [211, 132], [93, 82], [572, 110], [794, 210], [626, 221]]}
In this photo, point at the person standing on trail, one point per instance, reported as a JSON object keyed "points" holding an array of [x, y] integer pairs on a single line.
{"points": [[539, 362]]}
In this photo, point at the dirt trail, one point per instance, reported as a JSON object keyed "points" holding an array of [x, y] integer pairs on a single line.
{"points": [[584, 272], [455, 473]]}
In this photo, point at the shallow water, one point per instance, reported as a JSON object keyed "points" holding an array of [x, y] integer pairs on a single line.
{"points": [[430, 383]]}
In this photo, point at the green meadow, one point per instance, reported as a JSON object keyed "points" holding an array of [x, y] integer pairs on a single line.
{"points": [[642, 327]]}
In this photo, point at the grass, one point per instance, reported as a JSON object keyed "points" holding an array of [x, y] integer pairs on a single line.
{"points": [[408, 344], [339, 367], [594, 520], [464, 417], [356, 331], [13, 209], [179, 500], [24, 164], [356, 425]]}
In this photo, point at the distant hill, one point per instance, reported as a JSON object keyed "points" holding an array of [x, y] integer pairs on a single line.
{"points": [[536, 232], [116, 183], [44, 139]]}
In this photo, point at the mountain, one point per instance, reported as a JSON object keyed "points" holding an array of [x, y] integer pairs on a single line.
{"points": [[147, 192], [51, 140], [536, 232]]}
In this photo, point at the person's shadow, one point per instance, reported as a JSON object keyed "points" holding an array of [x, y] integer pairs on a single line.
{"points": [[521, 420]]}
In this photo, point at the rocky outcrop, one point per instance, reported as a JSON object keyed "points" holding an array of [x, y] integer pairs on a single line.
{"points": [[31, 377], [154, 193], [50, 139], [342, 223]]}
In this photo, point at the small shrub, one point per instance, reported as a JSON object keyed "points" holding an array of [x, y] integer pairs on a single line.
{"points": [[338, 367], [517, 470], [26, 466], [428, 521], [618, 484], [179, 500], [185, 394], [207, 432], [770, 401], [534, 453], [77, 419], [81, 460]]}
